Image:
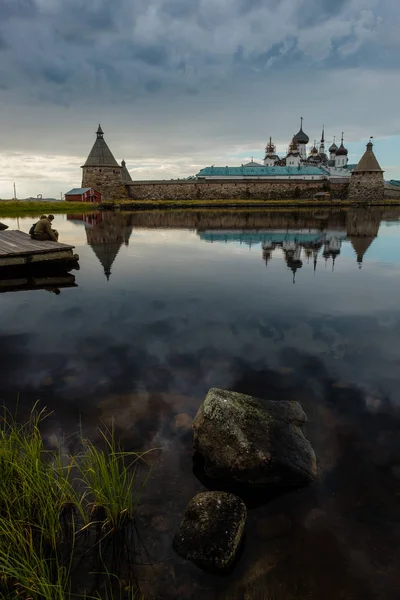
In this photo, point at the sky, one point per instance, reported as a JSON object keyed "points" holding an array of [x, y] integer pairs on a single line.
{"points": [[181, 84]]}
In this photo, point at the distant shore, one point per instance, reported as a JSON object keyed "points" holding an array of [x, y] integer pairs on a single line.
{"points": [[16, 208], [12, 208]]}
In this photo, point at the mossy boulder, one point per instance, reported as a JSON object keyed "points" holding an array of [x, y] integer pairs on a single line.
{"points": [[211, 530], [252, 441]]}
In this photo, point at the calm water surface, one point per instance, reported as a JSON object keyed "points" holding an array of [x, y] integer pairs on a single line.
{"points": [[302, 306]]}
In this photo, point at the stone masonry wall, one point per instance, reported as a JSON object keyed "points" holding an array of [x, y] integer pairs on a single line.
{"points": [[107, 180], [392, 192], [233, 190], [366, 187]]}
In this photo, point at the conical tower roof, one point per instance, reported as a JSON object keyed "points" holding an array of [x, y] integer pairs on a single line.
{"points": [[100, 155], [368, 161]]}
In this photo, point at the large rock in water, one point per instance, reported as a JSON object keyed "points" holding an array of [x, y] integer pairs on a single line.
{"points": [[211, 530], [253, 441]]}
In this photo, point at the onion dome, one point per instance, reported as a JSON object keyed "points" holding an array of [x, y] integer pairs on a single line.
{"points": [[301, 137], [314, 149], [342, 151], [333, 148]]}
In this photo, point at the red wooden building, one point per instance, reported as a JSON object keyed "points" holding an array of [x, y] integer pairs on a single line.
{"points": [[87, 194]]}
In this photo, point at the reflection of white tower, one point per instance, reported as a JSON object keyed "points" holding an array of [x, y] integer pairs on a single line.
{"points": [[335, 245], [288, 246], [297, 253], [315, 253], [267, 248], [268, 245]]}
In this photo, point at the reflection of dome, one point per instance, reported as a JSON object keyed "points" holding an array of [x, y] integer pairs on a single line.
{"points": [[267, 255]]}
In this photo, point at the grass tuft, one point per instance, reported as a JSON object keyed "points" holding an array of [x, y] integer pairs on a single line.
{"points": [[49, 501]]}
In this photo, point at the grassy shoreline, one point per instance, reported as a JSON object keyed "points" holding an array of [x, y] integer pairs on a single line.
{"points": [[9, 208]]}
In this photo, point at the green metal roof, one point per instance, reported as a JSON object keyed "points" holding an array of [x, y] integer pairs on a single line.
{"points": [[263, 171]]}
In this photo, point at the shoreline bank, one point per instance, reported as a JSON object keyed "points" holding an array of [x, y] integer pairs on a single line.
{"points": [[23, 208]]}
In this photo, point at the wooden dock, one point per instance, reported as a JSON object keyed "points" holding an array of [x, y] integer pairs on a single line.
{"points": [[19, 249]]}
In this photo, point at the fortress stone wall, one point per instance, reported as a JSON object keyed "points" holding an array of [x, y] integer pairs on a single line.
{"points": [[233, 190], [392, 192]]}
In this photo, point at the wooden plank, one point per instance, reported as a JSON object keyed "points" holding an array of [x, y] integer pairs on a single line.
{"points": [[14, 243], [61, 256]]}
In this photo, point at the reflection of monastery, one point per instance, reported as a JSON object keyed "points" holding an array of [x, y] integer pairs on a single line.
{"points": [[106, 234], [297, 245], [303, 236]]}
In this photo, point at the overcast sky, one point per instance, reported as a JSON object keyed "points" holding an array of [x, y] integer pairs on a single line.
{"points": [[181, 84]]}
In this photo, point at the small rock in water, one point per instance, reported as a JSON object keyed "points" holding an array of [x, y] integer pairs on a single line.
{"points": [[3, 226], [211, 530], [253, 441]]}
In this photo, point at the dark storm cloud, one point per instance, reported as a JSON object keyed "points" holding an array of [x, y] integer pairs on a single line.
{"points": [[180, 76], [17, 8], [312, 12], [210, 39]]}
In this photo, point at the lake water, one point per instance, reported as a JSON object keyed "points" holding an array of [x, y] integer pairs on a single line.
{"points": [[294, 306]]}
